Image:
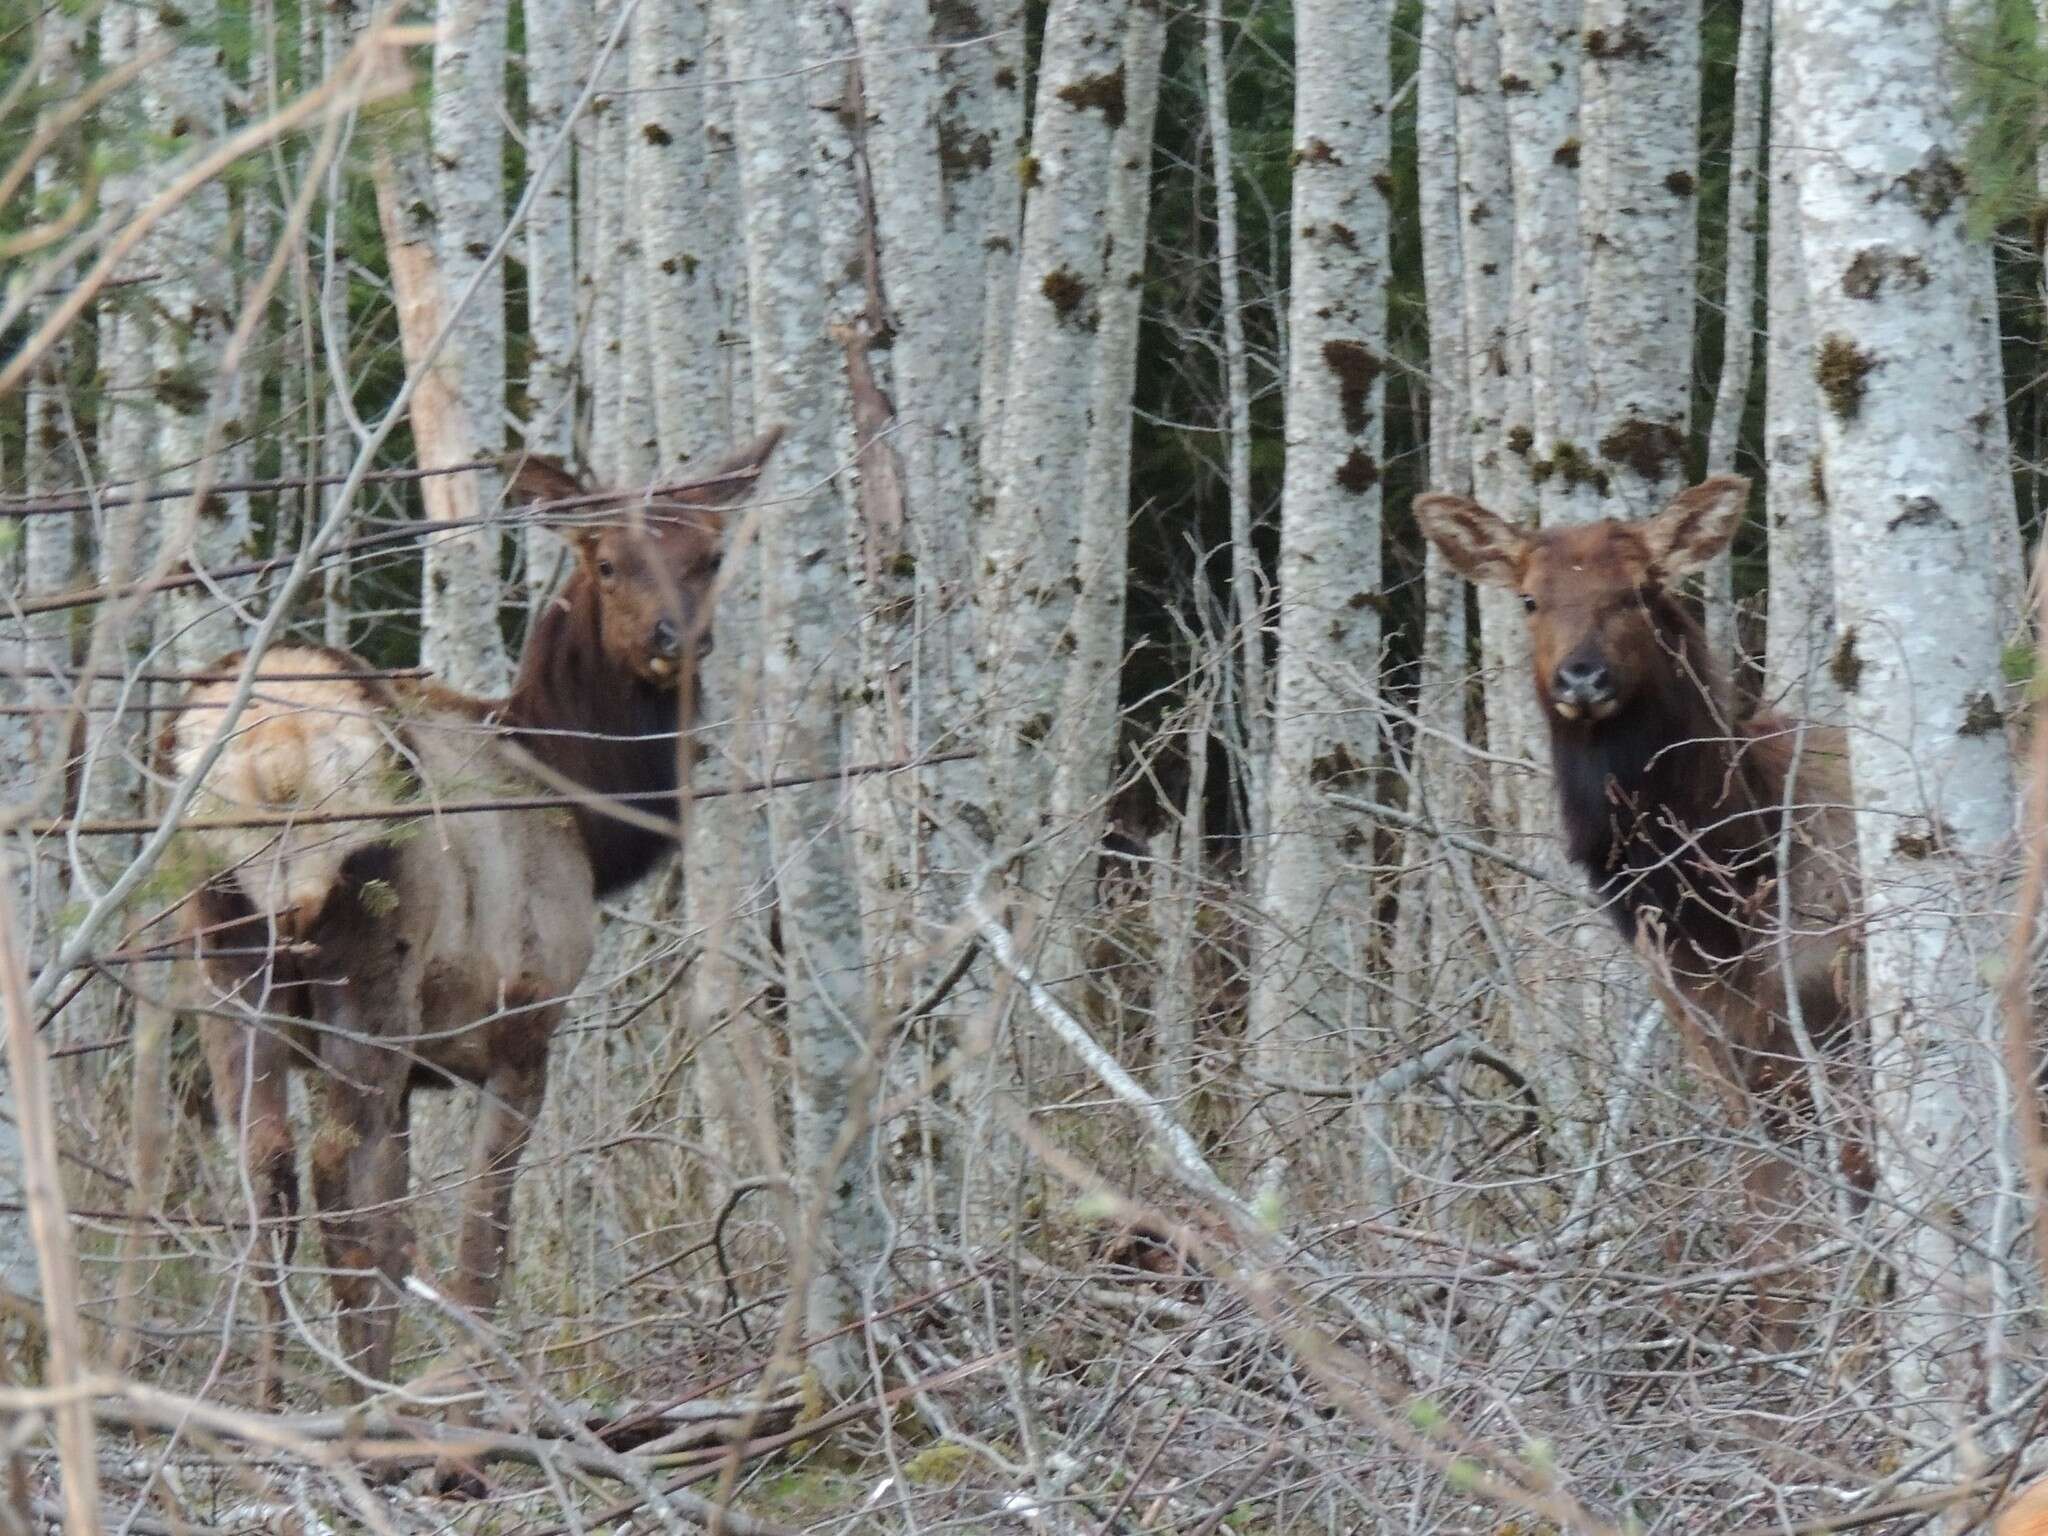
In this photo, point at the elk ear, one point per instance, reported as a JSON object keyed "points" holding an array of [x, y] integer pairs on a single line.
{"points": [[1483, 547], [532, 477], [1696, 526], [731, 478]]}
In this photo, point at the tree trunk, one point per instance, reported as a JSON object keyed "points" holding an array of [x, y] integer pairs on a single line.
{"points": [[1500, 470], [1540, 48], [1800, 633], [459, 637], [681, 229], [996, 73], [1738, 304], [1644, 57], [459, 640], [1247, 584], [1308, 1003], [1889, 285], [552, 85], [1024, 599], [804, 619]]}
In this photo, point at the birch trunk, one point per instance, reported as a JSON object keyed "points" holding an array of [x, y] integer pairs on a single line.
{"points": [[1422, 940], [1644, 56], [1024, 598], [552, 84], [996, 71], [804, 621], [681, 229], [459, 637], [184, 103], [1540, 48], [1800, 631], [1308, 1001], [1500, 474], [1889, 286], [1738, 304], [1085, 757], [1247, 585], [601, 176]]}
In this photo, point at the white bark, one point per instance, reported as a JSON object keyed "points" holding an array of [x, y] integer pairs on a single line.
{"points": [[1307, 1002], [804, 620], [1540, 47], [1247, 587], [552, 84], [1500, 475], [459, 636], [184, 102], [1738, 303], [1800, 632], [602, 182], [1024, 596], [681, 229], [996, 72], [1889, 285], [1639, 215], [1088, 714]]}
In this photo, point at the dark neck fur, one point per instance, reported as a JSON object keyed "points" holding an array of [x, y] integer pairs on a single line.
{"points": [[597, 723], [1661, 804]]}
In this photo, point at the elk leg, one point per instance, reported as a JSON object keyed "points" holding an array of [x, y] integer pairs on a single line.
{"points": [[247, 1065], [511, 1102], [361, 1168]]}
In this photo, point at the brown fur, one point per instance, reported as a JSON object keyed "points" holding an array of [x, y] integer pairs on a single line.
{"points": [[1678, 815], [447, 955]]}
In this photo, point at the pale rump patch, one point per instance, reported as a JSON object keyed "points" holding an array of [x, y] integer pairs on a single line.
{"points": [[299, 745]]}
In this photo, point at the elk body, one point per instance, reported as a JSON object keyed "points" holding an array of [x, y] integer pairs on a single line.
{"points": [[387, 961], [1725, 850]]}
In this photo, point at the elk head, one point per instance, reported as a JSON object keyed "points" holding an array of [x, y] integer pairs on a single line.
{"points": [[1593, 592]]}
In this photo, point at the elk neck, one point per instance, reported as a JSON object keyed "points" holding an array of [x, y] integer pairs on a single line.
{"points": [[1664, 804], [595, 721]]}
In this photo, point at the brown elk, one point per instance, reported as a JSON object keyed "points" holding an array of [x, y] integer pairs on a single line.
{"points": [[387, 962], [1698, 832]]}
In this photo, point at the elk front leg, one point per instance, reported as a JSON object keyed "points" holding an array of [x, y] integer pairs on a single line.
{"points": [[511, 1102], [247, 1065], [361, 1172]]}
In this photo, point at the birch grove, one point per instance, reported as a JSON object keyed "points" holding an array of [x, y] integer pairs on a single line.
{"points": [[1272, 531]]}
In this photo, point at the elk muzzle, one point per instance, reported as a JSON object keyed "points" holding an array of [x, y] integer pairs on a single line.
{"points": [[1583, 687]]}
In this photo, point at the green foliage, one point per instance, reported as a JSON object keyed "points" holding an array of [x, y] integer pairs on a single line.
{"points": [[2004, 74]]}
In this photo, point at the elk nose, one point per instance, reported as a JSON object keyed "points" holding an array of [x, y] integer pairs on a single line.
{"points": [[1584, 683], [667, 639]]}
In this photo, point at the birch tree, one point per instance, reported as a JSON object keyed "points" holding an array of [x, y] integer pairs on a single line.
{"points": [[1500, 474], [1644, 57], [184, 102], [1247, 584], [1023, 598], [993, 79], [1540, 46], [1316, 896], [1094, 643], [1800, 633], [1738, 303], [1895, 357], [681, 229], [459, 637], [552, 84], [804, 619]]}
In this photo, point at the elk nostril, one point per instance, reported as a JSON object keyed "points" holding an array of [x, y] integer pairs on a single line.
{"points": [[667, 640], [1584, 680]]}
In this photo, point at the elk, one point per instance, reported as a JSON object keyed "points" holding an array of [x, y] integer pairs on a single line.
{"points": [[385, 961], [1724, 850]]}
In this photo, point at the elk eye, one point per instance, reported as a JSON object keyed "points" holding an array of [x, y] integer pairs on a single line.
{"points": [[1528, 602], [606, 569]]}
